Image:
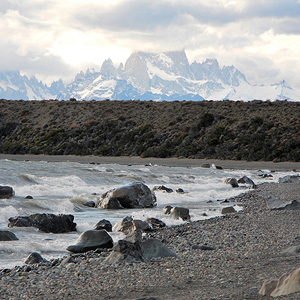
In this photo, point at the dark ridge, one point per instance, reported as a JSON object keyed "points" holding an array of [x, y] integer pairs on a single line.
{"points": [[234, 130]]}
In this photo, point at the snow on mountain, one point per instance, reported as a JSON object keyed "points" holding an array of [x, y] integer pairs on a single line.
{"points": [[150, 76], [15, 86]]}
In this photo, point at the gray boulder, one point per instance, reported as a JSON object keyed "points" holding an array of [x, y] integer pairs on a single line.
{"points": [[45, 222], [136, 195], [34, 258], [155, 248], [247, 180], [228, 210], [289, 179], [6, 192], [91, 240], [7, 236], [232, 181], [134, 249], [177, 213]]}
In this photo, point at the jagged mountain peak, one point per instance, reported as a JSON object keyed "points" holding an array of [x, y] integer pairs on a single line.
{"points": [[149, 76]]}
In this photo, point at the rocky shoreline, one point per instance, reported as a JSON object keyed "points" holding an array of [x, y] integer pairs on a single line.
{"points": [[226, 257]]}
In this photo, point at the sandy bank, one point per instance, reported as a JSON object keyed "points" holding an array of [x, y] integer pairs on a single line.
{"points": [[172, 162]]}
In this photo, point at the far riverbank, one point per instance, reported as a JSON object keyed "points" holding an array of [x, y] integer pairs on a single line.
{"points": [[171, 162]]}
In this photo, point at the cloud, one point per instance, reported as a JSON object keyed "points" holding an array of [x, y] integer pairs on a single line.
{"points": [[53, 36]]}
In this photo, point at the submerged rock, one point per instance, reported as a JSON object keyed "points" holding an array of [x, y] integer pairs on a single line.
{"points": [[232, 181], [91, 240], [136, 195], [6, 192], [45, 222], [6, 235], [162, 188]]}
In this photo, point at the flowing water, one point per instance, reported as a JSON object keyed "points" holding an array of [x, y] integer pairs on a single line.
{"points": [[62, 188]]}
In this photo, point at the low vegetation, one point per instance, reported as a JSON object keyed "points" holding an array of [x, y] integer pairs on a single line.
{"points": [[252, 131]]}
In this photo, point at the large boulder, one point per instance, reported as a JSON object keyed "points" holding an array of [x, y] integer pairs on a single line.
{"points": [[135, 249], [7, 236], [285, 285], [177, 213], [91, 240], [6, 192], [136, 195], [45, 222]]}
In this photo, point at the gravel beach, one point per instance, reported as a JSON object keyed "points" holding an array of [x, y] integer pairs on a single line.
{"points": [[247, 248]]}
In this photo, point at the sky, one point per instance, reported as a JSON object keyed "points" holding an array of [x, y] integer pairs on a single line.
{"points": [[54, 39]]}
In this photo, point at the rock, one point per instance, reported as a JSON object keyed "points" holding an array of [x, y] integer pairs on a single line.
{"points": [[7, 236], [104, 224], [162, 188], [232, 181], [134, 249], [203, 247], [155, 248], [45, 222], [34, 258], [167, 209], [228, 210], [6, 192], [207, 166], [247, 180], [149, 298], [294, 205], [292, 250], [28, 197], [136, 195], [155, 223], [128, 225], [289, 179], [91, 240], [216, 167], [180, 191], [285, 285], [180, 213], [89, 204], [127, 251]]}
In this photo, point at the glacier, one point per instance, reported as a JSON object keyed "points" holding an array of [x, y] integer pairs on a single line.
{"points": [[149, 76]]}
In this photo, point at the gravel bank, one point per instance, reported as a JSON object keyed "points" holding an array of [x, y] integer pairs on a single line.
{"points": [[247, 249]]}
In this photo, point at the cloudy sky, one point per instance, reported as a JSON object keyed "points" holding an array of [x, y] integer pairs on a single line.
{"points": [[57, 38]]}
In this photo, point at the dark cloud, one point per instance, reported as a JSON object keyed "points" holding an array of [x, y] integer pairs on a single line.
{"points": [[147, 16]]}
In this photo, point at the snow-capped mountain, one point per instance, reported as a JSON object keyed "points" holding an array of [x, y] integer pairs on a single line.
{"points": [[169, 76], [15, 86], [148, 76]]}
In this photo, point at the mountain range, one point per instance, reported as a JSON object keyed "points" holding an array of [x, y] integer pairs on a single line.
{"points": [[148, 76]]}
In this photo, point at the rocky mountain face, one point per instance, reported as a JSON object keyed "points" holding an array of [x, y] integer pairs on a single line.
{"points": [[148, 76]]}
